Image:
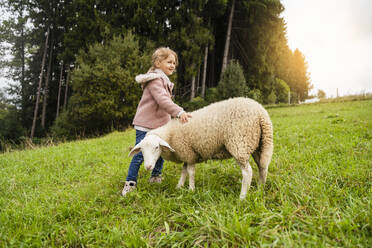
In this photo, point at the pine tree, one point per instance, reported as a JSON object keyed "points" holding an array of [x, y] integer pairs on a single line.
{"points": [[232, 83], [301, 80]]}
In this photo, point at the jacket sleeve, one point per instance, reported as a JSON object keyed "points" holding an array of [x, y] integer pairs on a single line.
{"points": [[162, 97]]}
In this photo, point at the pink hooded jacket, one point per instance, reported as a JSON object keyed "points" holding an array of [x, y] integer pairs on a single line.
{"points": [[156, 106]]}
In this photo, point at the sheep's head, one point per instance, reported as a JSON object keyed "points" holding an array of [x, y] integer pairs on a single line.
{"points": [[150, 147]]}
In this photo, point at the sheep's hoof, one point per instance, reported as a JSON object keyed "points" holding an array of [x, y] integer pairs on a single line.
{"points": [[242, 197]]}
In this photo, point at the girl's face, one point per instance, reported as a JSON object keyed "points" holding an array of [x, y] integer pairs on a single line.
{"points": [[167, 65]]}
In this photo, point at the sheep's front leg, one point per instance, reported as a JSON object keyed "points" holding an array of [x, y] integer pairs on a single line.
{"points": [[182, 180], [191, 172], [247, 179]]}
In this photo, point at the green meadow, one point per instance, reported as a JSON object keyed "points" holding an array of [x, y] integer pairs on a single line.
{"points": [[318, 191]]}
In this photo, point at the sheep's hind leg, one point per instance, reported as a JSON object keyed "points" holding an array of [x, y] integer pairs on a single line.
{"points": [[182, 180], [191, 172], [247, 179], [261, 167]]}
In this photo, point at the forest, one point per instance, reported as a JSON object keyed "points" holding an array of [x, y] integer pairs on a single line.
{"points": [[72, 63]]}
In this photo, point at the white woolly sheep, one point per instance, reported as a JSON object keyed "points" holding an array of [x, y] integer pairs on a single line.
{"points": [[237, 127]]}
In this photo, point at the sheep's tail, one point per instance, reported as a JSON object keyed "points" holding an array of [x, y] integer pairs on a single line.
{"points": [[266, 145]]}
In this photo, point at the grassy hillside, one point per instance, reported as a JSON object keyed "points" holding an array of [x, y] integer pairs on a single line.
{"points": [[318, 191]]}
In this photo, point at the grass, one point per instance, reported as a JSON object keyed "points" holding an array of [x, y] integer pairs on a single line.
{"points": [[318, 192]]}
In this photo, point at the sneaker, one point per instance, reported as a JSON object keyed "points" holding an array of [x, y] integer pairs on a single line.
{"points": [[128, 187], [156, 179]]}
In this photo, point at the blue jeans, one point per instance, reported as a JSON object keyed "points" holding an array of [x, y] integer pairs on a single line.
{"points": [[138, 159]]}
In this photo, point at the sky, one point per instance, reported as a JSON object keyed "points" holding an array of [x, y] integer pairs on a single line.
{"points": [[336, 38]]}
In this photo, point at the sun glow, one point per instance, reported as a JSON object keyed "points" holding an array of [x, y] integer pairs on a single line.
{"points": [[336, 40]]}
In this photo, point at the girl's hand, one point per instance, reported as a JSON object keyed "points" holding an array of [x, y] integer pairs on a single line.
{"points": [[184, 117]]}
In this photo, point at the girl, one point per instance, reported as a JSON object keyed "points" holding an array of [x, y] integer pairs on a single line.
{"points": [[154, 109]]}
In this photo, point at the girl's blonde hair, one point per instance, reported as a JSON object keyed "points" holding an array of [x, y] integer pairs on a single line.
{"points": [[160, 54]]}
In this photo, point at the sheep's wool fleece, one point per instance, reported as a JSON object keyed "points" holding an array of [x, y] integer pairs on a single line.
{"points": [[235, 127]]}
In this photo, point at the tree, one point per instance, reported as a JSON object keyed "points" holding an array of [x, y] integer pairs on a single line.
{"points": [[15, 52], [59, 90], [281, 90], [11, 128], [258, 42], [2, 99], [205, 63], [228, 36], [46, 88], [66, 87], [26, 50], [39, 87], [105, 94], [232, 83], [271, 98], [196, 30], [257, 39], [193, 86], [321, 94], [189, 35], [300, 77]]}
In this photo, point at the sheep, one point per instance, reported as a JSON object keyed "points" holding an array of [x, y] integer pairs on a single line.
{"points": [[237, 127]]}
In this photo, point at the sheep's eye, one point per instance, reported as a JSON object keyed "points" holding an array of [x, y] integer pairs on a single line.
{"points": [[156, 147]]}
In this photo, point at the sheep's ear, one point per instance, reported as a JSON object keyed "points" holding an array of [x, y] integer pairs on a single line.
{"points": [[165, 144], [135, 150]]}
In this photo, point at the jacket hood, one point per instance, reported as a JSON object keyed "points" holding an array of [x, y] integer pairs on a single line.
{"points": [[151, 75]]}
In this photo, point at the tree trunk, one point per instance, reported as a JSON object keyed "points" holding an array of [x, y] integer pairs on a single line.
{"points": [[59, 89], [197, 84], [23, 64], [24, 97], [46, 88], [204, 71], [192, 95], [66, 91], [39, 86], [228, 36]]}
